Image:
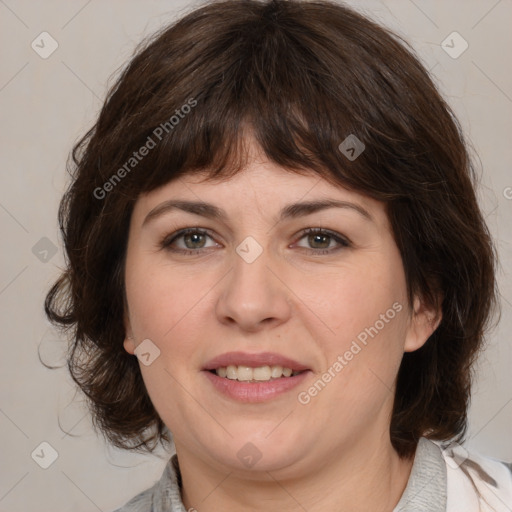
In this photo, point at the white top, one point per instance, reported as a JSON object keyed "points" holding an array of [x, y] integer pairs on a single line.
{"points": [[441, 480]]}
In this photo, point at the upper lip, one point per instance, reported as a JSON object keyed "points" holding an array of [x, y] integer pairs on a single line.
{"points": [[253, 361]]}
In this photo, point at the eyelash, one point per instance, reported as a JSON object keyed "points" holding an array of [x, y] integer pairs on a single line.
{"points": [[168, 240]]}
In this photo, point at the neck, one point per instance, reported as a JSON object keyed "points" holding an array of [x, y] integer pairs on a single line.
{"points": [[368, 476]]}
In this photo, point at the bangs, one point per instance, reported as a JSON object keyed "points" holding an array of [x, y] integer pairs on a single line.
{"points": [[197, 106]]}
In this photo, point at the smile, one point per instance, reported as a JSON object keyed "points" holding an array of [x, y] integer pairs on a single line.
{"points": [[258, 374], [256, 377]]}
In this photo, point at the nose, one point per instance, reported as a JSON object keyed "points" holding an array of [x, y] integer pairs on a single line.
{"points": [[254, 295]]}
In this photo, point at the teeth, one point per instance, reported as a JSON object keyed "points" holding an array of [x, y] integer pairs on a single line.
{"points": [[276, 371], [243, 372], [261, 373], [287, 372]]}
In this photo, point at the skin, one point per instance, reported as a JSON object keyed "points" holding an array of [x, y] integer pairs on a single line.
{"points": [[333, 453]]}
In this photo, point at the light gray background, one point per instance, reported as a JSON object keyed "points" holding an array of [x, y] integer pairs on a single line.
{"points": [[46, 104]]}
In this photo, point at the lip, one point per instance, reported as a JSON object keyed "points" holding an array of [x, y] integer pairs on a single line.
{"points": [[254, 361], [252, 392]]}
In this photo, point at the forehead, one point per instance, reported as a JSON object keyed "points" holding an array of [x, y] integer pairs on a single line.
{"points": [[260, 185], [262, 188]]}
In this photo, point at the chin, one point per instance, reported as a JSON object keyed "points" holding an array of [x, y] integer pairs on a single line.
{"points": [[253, 450]]}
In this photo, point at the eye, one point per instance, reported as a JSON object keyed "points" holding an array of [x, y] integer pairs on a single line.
{"points": [[322, 239], [193, 238]]}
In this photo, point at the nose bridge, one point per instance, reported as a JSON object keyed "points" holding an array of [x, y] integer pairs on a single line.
{"points": [[252, 293]]}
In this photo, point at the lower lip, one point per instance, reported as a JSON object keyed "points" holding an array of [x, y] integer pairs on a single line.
{"points": [[255, 391]]}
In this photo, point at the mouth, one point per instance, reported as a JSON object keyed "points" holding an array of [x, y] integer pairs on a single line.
{"points": [[254, 377], [245, 373]]}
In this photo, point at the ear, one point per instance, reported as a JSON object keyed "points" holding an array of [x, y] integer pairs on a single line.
{"points": [[423, 322], [129, 342]]}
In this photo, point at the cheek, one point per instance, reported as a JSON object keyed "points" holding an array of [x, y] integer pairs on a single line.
{"points": [[362, 349], [159, 299], [363, 318], [166, 308], [356, 298], [169, 307]]}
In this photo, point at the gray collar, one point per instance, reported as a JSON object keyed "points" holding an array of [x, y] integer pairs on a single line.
{"points": [[167, 492], [425, 490]]}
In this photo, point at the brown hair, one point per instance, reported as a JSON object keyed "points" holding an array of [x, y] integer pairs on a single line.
{"points": [[300, 77]]}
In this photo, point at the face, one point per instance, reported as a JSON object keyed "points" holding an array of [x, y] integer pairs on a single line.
{"points": [[229, 308]]}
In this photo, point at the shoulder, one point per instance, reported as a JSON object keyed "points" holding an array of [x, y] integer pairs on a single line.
{"points": [[163, 496], [143, 502], [476, 482]]}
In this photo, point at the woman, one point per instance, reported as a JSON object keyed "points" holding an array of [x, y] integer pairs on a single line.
{"points": [[276, 254]]}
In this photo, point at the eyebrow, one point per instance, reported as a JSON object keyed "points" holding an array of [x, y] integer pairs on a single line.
{"points": [[290, 211]]}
